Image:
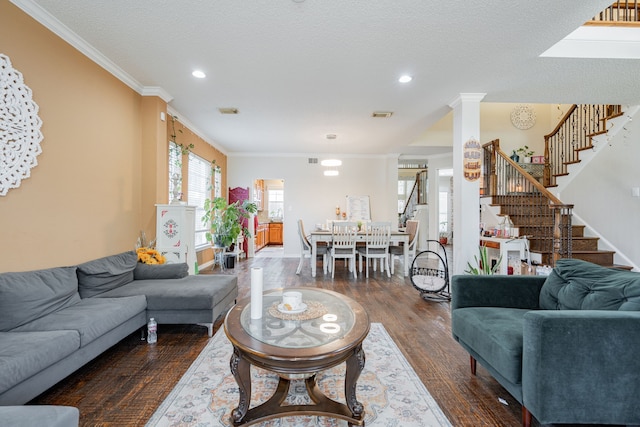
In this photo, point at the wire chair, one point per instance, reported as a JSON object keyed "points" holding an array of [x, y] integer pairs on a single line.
{"points": [[430, 273]]}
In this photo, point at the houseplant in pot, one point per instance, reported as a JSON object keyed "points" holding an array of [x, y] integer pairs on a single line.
{"points": [[525, 153], [226, 220]]}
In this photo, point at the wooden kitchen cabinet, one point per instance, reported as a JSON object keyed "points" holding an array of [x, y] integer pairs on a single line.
{"points": [[275, 233], [258, 192], [261, 238]]}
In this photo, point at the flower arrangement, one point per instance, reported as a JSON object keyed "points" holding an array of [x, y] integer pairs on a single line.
{"points": [[149, 256], [146, 251]]}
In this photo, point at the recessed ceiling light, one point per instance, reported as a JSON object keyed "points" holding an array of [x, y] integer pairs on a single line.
{"points": [[331, 172], [405, 79], [331, 162], [331, 136], [198, 74]]}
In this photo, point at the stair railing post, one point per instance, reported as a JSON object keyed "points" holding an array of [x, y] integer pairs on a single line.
{"points": [[562, 234], [547, 164]]}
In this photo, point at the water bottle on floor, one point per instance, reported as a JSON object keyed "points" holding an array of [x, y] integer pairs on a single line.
{"points": [[152, 331]]}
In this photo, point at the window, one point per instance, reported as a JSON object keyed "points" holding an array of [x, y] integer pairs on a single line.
{"points": [[443, 211], [276, 203], [405, 185], [199, 190]]}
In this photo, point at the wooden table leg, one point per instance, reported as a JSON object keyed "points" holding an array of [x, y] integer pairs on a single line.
{"points": [[241, 370], [354, 366]]}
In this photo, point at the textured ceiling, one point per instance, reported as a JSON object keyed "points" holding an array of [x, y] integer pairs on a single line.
{"points": [[300, 70]]}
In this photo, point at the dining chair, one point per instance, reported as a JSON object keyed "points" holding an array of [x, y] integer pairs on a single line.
{"points": [[376, 246], [306, 249], [343, 245], [398, 251]]}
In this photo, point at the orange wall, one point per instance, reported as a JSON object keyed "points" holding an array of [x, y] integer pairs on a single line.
{"points": [[103, 162]]}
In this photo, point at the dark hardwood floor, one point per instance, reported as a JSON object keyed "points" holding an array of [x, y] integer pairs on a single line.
{"points": [[124, 385]]}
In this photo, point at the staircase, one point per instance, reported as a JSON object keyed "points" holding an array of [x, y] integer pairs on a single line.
{"points": [[539, 215], [418, 196], [534, 217], [573, 134]]}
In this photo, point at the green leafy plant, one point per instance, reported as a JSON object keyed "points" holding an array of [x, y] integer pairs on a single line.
{"points": [[184, 149], [524, 151], [226, 220], [483, 264]]}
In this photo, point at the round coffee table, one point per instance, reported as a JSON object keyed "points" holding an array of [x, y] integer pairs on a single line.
{"points": [[298, 346]]}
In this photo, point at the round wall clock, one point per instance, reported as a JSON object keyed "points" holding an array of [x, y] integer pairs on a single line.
{"points": [[523, 117], [20, 134]]}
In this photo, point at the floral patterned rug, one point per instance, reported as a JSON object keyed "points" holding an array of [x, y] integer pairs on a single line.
{"points": [[388, 387]]}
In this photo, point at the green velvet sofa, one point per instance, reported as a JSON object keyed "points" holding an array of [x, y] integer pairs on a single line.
{"points": [[566, 346]]}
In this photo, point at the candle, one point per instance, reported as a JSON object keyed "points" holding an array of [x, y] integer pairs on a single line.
{"points": [[256, 293]]}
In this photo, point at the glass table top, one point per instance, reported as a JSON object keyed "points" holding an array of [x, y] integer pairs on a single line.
{"points": [[327, 318]]}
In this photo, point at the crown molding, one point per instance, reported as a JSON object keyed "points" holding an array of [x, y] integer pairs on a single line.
{"points": [[181, 118], [157, 91], [65, 33], [466, 97]]}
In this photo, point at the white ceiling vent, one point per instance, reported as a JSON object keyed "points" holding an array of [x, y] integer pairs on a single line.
{"points": [[229, 110], [313, 160], [382, 114]]}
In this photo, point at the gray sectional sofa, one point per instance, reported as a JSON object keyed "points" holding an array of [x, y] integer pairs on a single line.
{"points": [[565, 346], [55, 320]]}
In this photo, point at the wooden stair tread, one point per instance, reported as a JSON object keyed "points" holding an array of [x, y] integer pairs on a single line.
{"points": [[600, 132], [594, 252]]}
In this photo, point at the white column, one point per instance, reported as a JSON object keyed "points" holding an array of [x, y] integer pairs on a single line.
{"points": [[466, 199], [391, 208]]}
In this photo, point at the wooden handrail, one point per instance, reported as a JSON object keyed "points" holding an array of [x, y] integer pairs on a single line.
{"points": [[534, 182], [561, 122]]}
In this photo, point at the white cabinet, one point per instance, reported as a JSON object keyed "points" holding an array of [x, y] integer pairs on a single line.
{"points": [[512, 250], [175, 234]]}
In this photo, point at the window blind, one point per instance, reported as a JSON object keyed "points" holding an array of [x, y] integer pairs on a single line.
{"points": [[199, 190]]}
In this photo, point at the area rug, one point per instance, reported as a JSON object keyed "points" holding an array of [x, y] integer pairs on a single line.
{"points": [[390, 390]]}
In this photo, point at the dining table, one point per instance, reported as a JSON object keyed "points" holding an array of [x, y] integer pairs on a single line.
{"points": [[397, 238]]}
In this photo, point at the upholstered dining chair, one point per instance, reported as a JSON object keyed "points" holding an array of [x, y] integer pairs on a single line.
{"points": [[343, 245], [305, 249], [376, 246], [398, 251]]}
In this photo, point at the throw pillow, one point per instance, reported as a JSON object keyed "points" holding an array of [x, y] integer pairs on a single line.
{"points": [[160, 271], [104, 274], [30, 295], [580, 285]]}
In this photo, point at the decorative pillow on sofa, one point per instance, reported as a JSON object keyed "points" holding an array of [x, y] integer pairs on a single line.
{"points": [[160, 271], [30, 295], [579, 285], [103, 274]]}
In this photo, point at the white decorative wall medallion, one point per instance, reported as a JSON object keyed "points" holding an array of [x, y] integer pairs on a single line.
{"points": [[523, 117], [20, 134]]}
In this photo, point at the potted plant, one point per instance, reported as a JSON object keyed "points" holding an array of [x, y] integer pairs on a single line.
{"points": [[525, 153], [444, 237], [483, 265], [226, 220]]}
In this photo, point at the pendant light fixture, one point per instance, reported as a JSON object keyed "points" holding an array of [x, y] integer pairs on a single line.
{"points": [[331, 163]]}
